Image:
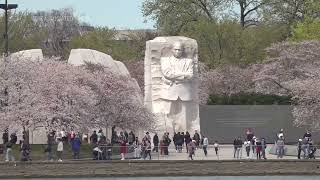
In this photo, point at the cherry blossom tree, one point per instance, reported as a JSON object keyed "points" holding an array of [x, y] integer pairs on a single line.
{"points": [[52, 95], [225, 81], [294, 69], [291, 69]]}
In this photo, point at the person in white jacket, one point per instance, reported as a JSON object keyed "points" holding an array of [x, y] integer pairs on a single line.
{"points": [[205, 145], [60, 149]]}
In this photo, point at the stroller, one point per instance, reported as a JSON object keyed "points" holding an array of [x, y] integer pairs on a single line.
{"points": [[312, 152]]}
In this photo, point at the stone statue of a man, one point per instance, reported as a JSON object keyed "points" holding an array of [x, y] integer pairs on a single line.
{"points": [[177, 90]]}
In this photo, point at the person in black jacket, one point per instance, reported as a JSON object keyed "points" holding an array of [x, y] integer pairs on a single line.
{"points": [[187, 140], [299, 148], [307, 135], [182, 137], [197, 138], [25, 150], [166, 142], [9, 154], [13, 138], [94, 138], [237, 143], [179, 141], [5, 137], [174, 138], [263, 148], [49, 147], [155, 143], [235, 147]]}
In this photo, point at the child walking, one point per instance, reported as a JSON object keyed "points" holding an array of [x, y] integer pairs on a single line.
{"points": [[216, 148]]}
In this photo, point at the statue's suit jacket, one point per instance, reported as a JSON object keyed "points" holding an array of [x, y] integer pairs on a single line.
{"points": [[177, 79]]}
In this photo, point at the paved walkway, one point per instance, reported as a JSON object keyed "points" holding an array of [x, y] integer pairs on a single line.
{"points": [[225, 153]]}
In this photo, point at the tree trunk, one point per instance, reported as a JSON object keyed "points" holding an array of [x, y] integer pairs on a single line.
{"points": [[242, 14]]}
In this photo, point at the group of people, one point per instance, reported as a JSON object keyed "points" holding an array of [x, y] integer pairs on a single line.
{"points": [[60, 139], [257, 145], [8, 146], [306, 146], [128, 142], [54, 138], [144, 148], [180, 139], [103, 147]]}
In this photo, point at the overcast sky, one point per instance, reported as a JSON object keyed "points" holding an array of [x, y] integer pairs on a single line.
{"points": [[121, 14]]}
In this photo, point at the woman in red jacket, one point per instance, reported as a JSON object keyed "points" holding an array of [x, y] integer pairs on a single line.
{"points": [[123, 149]]}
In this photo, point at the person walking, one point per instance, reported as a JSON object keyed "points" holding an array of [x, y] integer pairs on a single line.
{"points": [[155, 143], [197, 138], [60, 150], [50, 142], [162, 149], [238, 148], [5, 136], [182, 137], [253, 146], [247, 147], [9, 154], [258, 148], [280, 147], [187, 140], [191, 149], [25, 150], [174, 139], [205, 145], [94, 138], [234, 147], [147, 145], [299, 148], [216, 148], [137, 148], [263, 148], [166, 143], [75, 146], [123, 148], [179, 142]]}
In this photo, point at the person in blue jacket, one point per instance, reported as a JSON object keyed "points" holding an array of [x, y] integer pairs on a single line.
{"points": [[75, 145]]}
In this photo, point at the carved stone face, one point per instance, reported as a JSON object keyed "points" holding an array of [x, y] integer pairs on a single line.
{"points": [[177, 50]]}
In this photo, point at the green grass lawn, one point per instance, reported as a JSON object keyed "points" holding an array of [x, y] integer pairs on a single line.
{"points": [[38, 154]]}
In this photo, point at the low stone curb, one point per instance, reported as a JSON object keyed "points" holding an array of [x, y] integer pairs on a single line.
{"points": [[155, 168]]}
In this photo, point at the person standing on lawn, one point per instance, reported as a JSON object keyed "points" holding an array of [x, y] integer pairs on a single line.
{"points": [[75, 146], [59, 149]]}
